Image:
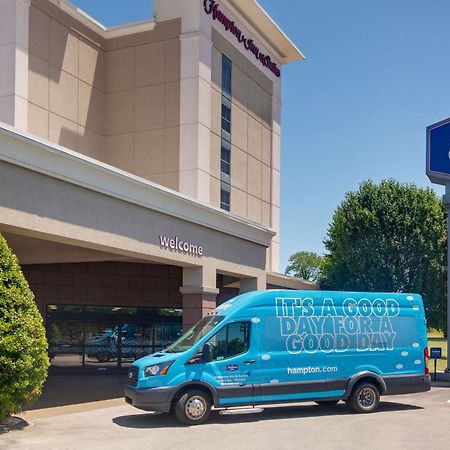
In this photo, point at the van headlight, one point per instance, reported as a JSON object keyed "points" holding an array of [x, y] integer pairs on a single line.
{"points": [[157, 369]]}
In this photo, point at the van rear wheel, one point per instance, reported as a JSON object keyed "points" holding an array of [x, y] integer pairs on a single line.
{"points": [[327, 402], [364, 398], [193, 407]]}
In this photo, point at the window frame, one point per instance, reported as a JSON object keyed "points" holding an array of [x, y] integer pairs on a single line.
{"points": [[226, 326], [225, 161], [225, 191], [225, 132]]}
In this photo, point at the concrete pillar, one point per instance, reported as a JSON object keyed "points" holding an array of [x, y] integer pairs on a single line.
{"points": [[195, 94], [199, 294], [252, 284], [274, 255], [14, 32]]}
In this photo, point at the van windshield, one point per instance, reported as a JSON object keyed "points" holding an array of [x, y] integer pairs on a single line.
{"points": [[196, 333]]}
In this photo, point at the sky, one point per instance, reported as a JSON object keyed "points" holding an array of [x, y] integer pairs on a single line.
{"points": [[376, 73]]}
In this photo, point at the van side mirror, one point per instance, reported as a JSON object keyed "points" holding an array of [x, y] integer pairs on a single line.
{"points": [[207, 353]]}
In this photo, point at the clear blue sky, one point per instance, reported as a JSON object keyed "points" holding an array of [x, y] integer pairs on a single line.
{"points": [[376, 74]]}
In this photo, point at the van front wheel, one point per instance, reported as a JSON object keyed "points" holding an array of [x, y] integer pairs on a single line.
{"points": [[364, 398], [193, 407]]}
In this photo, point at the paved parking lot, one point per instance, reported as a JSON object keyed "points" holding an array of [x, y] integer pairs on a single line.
{"points": [[403, 422]]}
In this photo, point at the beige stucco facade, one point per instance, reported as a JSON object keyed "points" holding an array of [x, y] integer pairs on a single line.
{"points": [[148, 102], [110, 152], [116, 100]]}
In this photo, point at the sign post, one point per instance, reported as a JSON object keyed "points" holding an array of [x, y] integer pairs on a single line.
{"points": [[435, 353], [438, 171]]}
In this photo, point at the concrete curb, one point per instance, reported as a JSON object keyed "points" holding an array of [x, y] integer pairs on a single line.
{"points": [[440, 384], [442, 379]]}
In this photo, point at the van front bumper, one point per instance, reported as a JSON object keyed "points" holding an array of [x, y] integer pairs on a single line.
{"points": [[151, 399]]}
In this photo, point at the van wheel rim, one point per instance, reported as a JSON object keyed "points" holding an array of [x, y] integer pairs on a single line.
{"points": [[195, 407], [366, 397]]}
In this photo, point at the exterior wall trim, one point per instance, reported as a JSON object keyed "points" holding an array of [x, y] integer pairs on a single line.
{"points": [[24, 150], [187, 290], [265, 28], [95, 26], [250, 11], [288, 282]]}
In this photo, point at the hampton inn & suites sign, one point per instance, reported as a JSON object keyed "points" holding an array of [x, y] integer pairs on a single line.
{"points": [[212, 8]]}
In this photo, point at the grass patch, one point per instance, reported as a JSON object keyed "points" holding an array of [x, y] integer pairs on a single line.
{"points": [[433, 333]]}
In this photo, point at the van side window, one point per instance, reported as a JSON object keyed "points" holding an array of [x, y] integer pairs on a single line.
{"points": [[231, 340]]}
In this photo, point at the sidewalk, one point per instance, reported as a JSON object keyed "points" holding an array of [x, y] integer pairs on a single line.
{"points": [[70, 394]]}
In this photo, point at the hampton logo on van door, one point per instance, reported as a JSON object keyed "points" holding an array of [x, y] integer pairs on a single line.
{"points": [[212, 8], [177, 244], [364, 325]]}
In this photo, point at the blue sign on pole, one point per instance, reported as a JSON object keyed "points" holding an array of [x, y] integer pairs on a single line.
{"points": [[436, 353], [438, 152]]}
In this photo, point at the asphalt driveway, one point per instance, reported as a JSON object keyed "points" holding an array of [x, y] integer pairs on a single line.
{"points": [[414, 421]]}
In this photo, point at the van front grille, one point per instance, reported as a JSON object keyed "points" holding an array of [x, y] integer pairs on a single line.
{"points": [[133, 376]]}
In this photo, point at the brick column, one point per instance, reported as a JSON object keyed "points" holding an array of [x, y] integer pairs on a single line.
{"points": [[199, 294], [197, 306]]}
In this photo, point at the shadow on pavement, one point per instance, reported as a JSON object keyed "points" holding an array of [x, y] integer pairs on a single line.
{"points": [[73, 390], [155, 420]]}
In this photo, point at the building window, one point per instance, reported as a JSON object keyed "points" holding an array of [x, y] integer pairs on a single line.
{"points": [[225, 195], [225, 161], [225, 152], [226, 76], [88, 336], [226, 118]]}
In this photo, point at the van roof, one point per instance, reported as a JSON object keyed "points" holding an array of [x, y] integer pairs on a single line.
{"points": [[256, 299]]}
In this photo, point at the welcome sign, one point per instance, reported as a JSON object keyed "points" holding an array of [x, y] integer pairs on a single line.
{"points": [[177, 244]]}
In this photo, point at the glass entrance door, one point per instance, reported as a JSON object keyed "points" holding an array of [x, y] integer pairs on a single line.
{"points": [[107, 339]]}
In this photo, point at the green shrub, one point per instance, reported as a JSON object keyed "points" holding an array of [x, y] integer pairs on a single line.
{"points": [[23, 346]]}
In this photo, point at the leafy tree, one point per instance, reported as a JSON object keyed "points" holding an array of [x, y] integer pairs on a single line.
{"points": [[304, 265], [390, 237], [23, 346]]}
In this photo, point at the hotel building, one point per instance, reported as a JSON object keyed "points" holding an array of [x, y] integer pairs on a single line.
{"points": [[140, 168]]}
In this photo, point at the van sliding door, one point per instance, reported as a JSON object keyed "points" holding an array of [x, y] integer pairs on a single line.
{"points": [[290, 368]]}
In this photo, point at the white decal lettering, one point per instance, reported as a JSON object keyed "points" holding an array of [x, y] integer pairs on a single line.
{"points": [[362, 324]]}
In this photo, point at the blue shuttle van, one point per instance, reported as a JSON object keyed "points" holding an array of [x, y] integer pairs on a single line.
{"points": [[289, 346]]}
